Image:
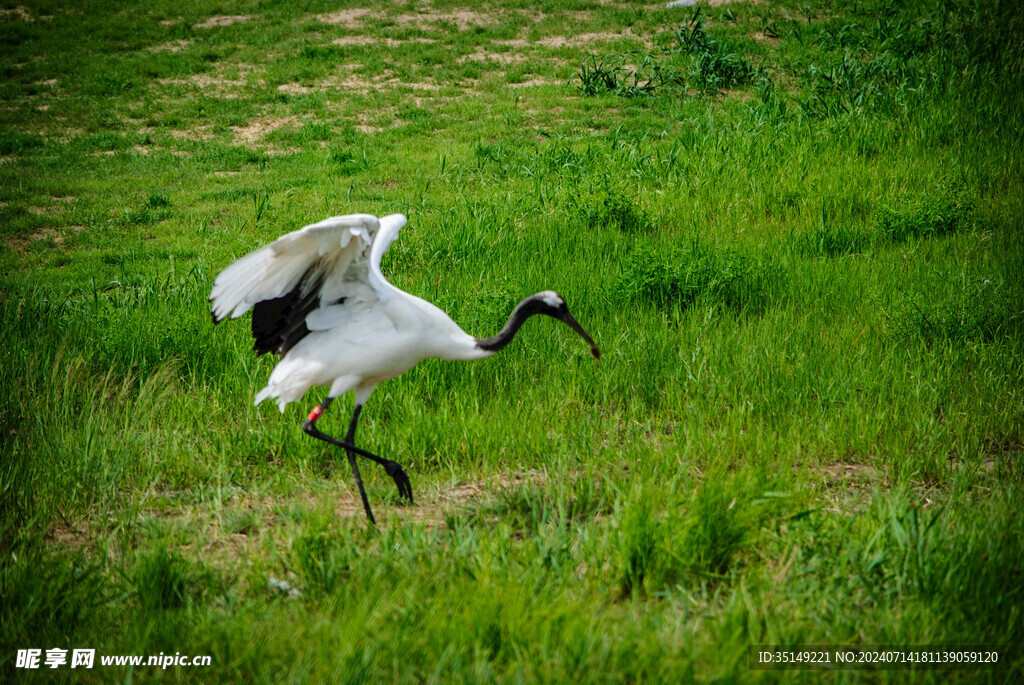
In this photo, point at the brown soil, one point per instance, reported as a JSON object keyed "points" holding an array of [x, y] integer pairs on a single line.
{"points": [[350, 17], [173, 46], [223, 21], [257, 128], [211, 540]]}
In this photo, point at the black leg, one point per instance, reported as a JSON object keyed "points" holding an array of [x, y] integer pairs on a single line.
{"points": [[355, 467], [309, 426], [348, 444], [392, 468]]}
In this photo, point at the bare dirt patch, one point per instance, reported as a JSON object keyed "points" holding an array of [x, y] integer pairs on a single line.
{"points": [[192, 134], [741, 95], [485, 487], [359, 84], [374, 40], [67, 536], [554, 41], [173, 46], [848, 487], [216, 84], [294, 89], [425, 17], [538, 81], [269, 521], [275, 151], [392, 42], [20, 13], [482, 55], [350, 17], [463, 19], [586, 39], [256, 129], [366, 123], [223, 21], [56, 235], [433, 506], [354, 40]]}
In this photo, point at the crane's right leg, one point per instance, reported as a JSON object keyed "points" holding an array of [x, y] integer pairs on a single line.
{"points": [[310, 427], [392, 468]]}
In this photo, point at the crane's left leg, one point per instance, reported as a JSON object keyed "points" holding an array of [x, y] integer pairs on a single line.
{"points": [[392, 468]]}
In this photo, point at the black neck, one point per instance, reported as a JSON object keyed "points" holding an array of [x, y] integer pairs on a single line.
{"points": [[523, 311]]}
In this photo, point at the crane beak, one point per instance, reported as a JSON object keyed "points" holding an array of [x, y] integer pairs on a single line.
{"points": [[575, 325]]}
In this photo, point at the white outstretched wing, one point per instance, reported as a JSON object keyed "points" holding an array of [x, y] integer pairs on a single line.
{"points": [[301, 281]]}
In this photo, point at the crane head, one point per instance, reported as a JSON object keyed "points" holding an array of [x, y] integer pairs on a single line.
{"points": [[553, 304]]}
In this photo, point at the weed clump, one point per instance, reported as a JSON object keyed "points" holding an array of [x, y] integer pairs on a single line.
{"points": [[315, 132], [165, 580], [524, 506], [348, 162], [49, 597], [930, 217], [931, 555], [330, 53], [12, 142], [323, 557], [609, 74], [639, 533], [848, 87], [726, 277], [715, 64], [716, 531], [563, 505], [976, 309], [610, 205], [158, 200], [835, 240], [700, 538]]}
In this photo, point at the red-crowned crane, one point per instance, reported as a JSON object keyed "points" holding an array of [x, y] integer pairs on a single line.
{"points": [[320, 301]]}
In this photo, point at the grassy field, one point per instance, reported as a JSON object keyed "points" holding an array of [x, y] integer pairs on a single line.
{"points": [[793, 229]]}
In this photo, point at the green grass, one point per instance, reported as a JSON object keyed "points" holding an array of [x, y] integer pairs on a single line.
{"points": [[794, 231]]}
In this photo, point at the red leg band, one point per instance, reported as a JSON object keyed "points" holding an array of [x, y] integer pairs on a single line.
{"points": [[315, 414]]}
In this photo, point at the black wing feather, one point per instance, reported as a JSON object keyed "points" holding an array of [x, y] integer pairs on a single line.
{"points": [[279, 324]]}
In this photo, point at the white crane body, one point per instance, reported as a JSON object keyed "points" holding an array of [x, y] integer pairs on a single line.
{"points": [[320, 300]]}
